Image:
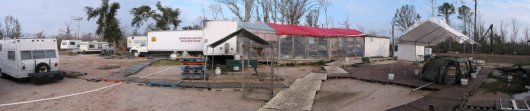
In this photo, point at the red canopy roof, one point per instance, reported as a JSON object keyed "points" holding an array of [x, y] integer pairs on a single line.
{"points": [[311, 31]]}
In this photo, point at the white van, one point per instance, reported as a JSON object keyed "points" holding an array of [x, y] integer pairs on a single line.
{"points": [[94, 46], [36, 59]]}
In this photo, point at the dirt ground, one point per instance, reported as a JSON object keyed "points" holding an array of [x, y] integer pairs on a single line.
{"points": [[128, 96], [355, 95], [493, 58], [89, 63], [334, 95]]}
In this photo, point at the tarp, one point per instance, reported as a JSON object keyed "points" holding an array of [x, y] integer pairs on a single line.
{"points": [[289, 29], [431, 32], [241, 33]]}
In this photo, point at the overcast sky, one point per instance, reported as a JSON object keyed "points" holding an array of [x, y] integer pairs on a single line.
{"points": [[50, 16]]}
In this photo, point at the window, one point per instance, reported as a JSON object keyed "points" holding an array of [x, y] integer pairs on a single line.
{"points": [[38, 54], [72, 43], [0, 47], [25, 55], [50, 53], [11, 55], [91, 46], [64, 43]]}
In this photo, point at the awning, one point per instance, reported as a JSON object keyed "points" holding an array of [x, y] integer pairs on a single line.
{"points": [[255, 26], [431, 32], [240, 33], [290, 29]]}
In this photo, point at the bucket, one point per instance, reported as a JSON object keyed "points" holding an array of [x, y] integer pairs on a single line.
{"points": [[173, 56], [416, 72], [463, 82], [474, 75], [347, 59], [217, 70], [236, 68], [237, 57], [390, 76]]}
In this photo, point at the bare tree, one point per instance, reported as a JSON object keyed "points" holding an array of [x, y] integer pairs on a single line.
{"points": [[346, 22], [249, 5], [312, 18], [267, 9], [12, 27], [527, 36], [40, 34], [324, 4], [405, 17], [66, 33], [216, 10], [515, 30], [292, 10], [234, 7]]}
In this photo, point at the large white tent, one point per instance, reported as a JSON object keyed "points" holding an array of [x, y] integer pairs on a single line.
{"points": [[427, 33]]}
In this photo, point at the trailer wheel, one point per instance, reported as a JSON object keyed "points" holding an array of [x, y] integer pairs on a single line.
{"points": [[42, 67]]}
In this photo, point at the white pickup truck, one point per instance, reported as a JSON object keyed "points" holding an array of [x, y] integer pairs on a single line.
{"points": [[34, 59]]}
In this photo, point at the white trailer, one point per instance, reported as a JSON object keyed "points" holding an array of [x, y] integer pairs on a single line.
{"points": [[135, 41], [36, 59], [70, 44], [171, 41], [94, 46]]}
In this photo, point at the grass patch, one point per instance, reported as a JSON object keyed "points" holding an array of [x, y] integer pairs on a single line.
{"points": [[517, 85], [165, 63]]}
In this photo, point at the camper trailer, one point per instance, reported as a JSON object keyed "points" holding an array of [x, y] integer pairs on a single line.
{"points": [[36, 59], [94, 46], [71, 46], [167, 42]]}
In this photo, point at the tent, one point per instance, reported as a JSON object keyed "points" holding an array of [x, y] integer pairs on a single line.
{"points": [[426, 33], [431, 32]]}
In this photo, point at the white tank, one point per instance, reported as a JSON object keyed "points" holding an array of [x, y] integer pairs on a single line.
{"points": [[390, 76], [173, 56], [217, 70], [237, 57], [463, 82]]}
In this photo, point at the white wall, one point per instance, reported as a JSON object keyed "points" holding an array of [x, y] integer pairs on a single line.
{"points": [[135, 41], [376, 46], [216, 30], [410, 52]]}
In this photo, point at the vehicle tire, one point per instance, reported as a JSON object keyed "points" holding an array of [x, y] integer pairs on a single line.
{"points": [[135, 53], [42, 67]]}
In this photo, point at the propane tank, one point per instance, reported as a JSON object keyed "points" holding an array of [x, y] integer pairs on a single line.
{"points": [[217, 70], [173, 56]]}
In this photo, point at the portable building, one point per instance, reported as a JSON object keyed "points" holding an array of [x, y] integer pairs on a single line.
{"points": [[70, 44], [376, 46], [94, 46]]}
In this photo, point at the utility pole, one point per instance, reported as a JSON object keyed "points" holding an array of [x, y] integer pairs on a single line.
{"points": [[393, 43], [78, 22]]}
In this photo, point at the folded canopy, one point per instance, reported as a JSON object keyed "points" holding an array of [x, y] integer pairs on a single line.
{"points": [[290, 29], [431, 32]]}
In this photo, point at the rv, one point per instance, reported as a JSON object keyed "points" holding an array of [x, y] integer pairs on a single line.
{"points": [[167, 42], [71, 46], [35, 59], [94, 46]]}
